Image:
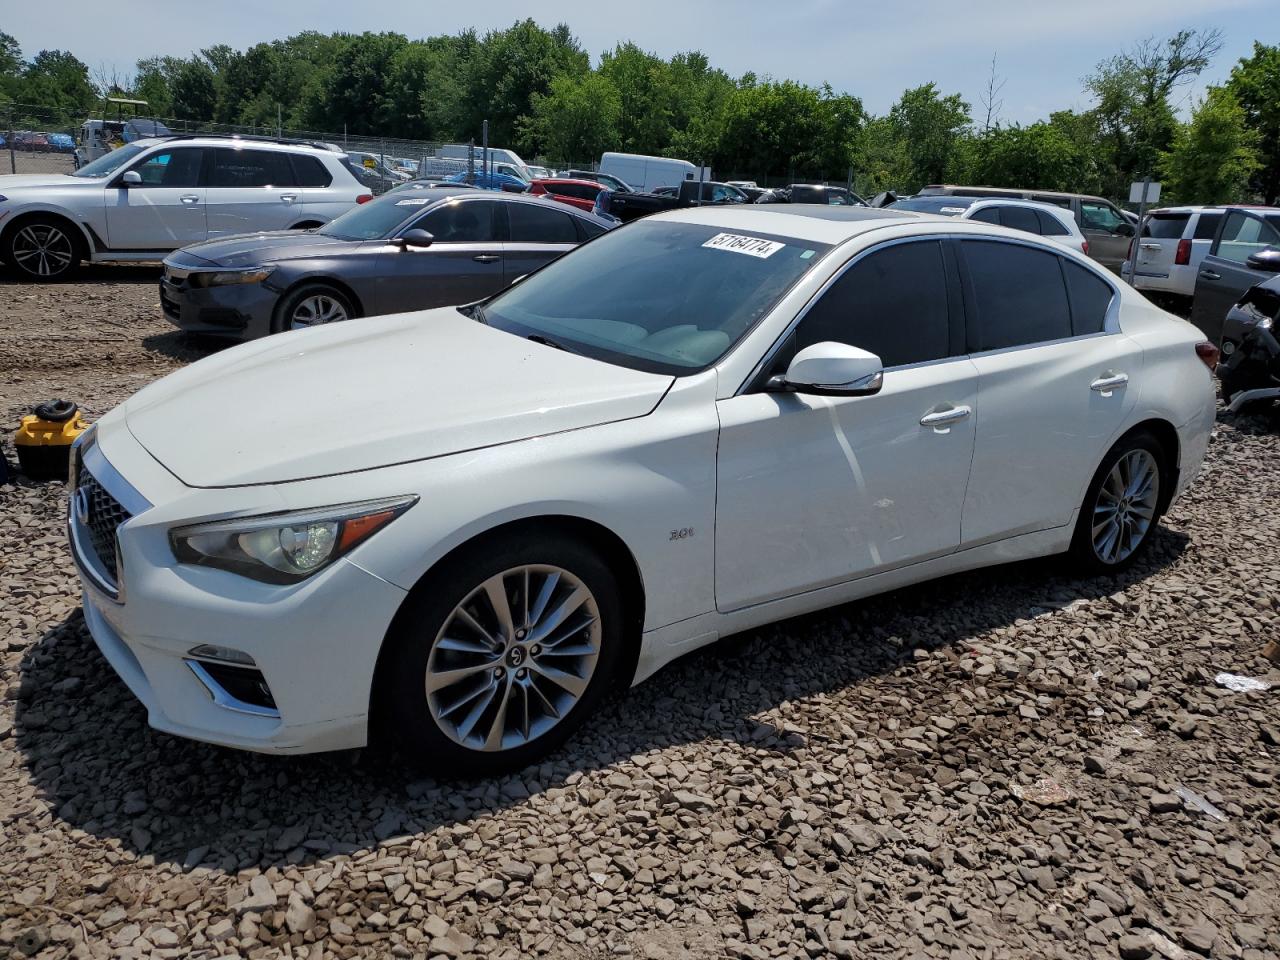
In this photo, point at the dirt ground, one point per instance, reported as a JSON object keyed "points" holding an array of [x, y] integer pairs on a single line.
{"points": [[1011, 763]]}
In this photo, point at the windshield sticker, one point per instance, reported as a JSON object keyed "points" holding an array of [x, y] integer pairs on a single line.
{"points": [[807, 254], [413, 202], [751, 246], [951, 209]]}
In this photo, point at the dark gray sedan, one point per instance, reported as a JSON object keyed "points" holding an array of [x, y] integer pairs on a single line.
{"points": [[407, 250]]}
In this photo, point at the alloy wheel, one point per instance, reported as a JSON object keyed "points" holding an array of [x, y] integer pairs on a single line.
{"points": [[1125, 506], [42, 250], [513, 658], [315, 310]]}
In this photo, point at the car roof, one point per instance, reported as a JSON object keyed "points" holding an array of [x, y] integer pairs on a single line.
{"points": [[1009, 190], [223, 140], [804, 221], [1187, 209]]}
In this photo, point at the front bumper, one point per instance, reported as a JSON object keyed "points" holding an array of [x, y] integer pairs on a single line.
{"points": [[316, 643], [241, 311]]}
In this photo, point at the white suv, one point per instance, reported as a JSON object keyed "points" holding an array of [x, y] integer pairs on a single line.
{"points": [[1173, 241], [150, 197]]}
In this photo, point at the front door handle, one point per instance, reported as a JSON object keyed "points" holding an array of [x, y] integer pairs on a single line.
{"points": [[288, 197], [1210, 275], [944, 418], [1108, 382], [190, 198], [486, 258]]}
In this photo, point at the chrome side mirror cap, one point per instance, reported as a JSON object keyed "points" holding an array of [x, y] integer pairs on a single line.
{"points": [[131, 178], [832, 369]]}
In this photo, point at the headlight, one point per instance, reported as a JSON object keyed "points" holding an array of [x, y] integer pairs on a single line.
{"points": [[222, 278], [1265, 323], [285, 547]]}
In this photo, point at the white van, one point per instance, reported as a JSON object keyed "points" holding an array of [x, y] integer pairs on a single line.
{"points": [[649, 173], [497, 155]]}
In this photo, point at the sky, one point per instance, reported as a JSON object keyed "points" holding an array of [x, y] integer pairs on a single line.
{"points": [[873, 50]]}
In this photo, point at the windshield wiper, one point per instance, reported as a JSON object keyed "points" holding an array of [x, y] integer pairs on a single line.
{"points": [[548, 342], [475, 312]]}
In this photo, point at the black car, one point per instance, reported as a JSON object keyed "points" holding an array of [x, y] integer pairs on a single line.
{"points": [[1245, 251], [1250, 352], [631, 206], [411, 249], [812, 193]]}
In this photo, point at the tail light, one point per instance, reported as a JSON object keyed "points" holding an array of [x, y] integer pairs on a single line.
{"points": [[1183, 256], [1084, 245], [1208, 354], [364, 198]]}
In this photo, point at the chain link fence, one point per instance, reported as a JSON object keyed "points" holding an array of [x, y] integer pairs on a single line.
{"points": [[35, 140]]}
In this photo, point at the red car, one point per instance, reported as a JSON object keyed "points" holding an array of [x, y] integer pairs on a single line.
{"points": [[577, 193]]}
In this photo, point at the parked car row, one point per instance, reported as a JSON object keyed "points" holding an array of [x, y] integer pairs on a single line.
{"points": [[484, 516]]}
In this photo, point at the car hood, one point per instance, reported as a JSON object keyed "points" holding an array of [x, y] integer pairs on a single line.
{"points": [[17, 181], [254, 249], [370, 393]]}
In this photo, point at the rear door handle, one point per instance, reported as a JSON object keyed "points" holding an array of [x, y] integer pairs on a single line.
{"points": [[288, 197], [190, 198], [1150, 246], [1105, 384], [486, 258], [944, 418], [1210, 275]]}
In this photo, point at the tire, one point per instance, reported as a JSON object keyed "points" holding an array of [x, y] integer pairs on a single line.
{"points": [[326, 303], [1133, 475], [42, 248], [506, 711]]}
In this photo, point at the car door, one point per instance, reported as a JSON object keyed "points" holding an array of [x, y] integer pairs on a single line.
{"points": [[1107, 231], [320, 200], [462, 265], [1056, 379], [816, 490], [1224, 273], [251, 190], [163, 212], [536, 234]]}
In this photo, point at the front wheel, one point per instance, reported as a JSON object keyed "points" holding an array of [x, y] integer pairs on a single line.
{"points": [[312, 305], [500, 658], [41, 249], [1122, 506]]}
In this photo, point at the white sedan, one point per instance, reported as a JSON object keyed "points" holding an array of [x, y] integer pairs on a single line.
{"points": [[458, 528]]}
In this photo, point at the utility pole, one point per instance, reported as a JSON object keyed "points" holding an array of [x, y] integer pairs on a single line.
{"points": [[484, 140]]}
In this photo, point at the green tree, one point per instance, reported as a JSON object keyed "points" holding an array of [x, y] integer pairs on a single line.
{"points": [[575, 121], [786, 129], [59, 82], [1041, 155], [1213, 156], [929, 126], [1255, 83], [10, 66], [193, 90]]}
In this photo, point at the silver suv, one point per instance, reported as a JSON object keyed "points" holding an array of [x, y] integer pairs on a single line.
{"points": [[147, 198]]}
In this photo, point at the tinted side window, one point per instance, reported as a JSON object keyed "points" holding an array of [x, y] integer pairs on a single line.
{"points": [[469, 221], [1090, 298], [1020, 218], [171, 168], [987, 215], [893, 302], [589, 228], [250, 168], [1207, 225], [1064, 202], [1051, 226], [1165, 226], [1099, 216], [531, 223], [1018, 294], [309, 172]]}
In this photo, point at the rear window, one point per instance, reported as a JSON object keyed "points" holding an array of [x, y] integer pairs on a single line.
{"points": [[1020, 218], [944, 205], [1051, 226], [1166, 226], [309, 171]]}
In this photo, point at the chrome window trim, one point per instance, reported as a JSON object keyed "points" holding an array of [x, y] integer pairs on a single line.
{"points": [[225, 700]]}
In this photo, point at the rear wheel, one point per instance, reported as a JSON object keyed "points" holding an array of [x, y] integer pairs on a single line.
{"points": [[500, 658], [312, 305], [42, 249], [1122, 506]]}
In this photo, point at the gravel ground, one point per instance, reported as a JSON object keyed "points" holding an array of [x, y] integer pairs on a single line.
{"points": [[982, 767]]}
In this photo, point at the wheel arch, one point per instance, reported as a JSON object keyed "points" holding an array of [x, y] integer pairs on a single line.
{"points": [[606, 542], [62, 217], [322, 279], [1167, 436]]}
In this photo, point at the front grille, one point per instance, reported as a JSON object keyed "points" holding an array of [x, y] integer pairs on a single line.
{"points": [[168, 302], [99, 514]]}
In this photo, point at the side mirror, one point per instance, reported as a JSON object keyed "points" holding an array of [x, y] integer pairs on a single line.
{"points": [[131, 178], [1124, 230], [416, 237], [833, 370], [1267, 260]]}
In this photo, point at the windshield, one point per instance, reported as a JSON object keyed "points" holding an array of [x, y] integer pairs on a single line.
{"points": [[658, 296], [377, 218], [947, 206], [109, 163]]}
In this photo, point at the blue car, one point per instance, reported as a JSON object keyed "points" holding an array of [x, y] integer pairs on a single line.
{"points": [[61, 142], [494, 181]]}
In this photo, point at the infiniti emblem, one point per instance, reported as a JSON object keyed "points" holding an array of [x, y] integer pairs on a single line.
{"points": [[81, 501]]}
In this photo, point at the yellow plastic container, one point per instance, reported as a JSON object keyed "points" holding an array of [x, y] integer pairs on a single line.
{"points": [[44, 439]]}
